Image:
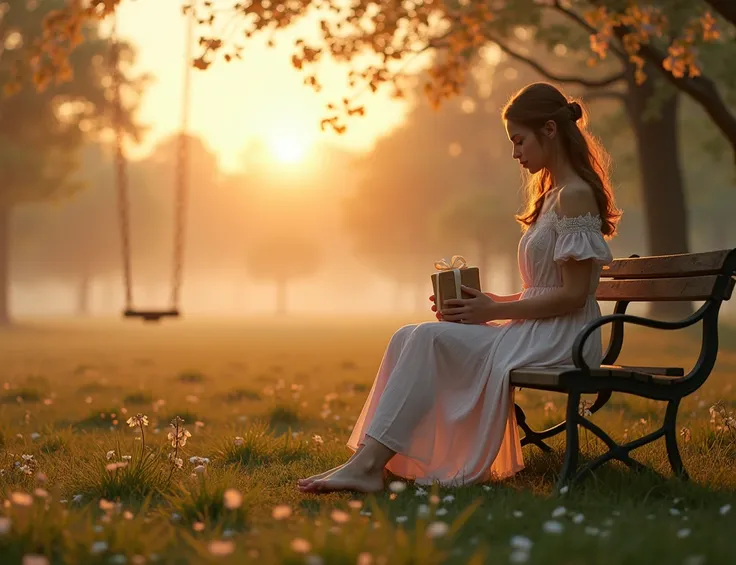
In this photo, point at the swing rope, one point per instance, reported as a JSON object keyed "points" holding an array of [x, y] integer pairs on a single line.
{"points": [[180, 185]]}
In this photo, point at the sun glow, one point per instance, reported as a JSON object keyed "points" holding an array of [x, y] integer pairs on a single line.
{"points": [[288, 148]]}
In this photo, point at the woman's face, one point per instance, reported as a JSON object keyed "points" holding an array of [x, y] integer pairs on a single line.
{"points": [[528, 151]]}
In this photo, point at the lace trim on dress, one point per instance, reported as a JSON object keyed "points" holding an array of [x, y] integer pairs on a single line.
{"points": [[575, 224]]}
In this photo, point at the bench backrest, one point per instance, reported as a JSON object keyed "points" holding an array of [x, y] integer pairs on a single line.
{"points": [[688, 276]]}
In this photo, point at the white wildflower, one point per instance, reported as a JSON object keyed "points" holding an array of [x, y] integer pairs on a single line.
{"points": [[281, 512], [397, 486], [521, 542], [21, 498], [559, 511], [553, 527], [437, 529], [221, 548], [725, 509], [300, 545], [339, 516], [98, 547], [401, 519], [137, 420], [365, 558], [110, 454], [34, 559], [683, 533], [233, 499]]}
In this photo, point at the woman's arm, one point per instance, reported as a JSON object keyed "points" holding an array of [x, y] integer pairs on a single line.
{"points": [[571, 296], [503, 297]]}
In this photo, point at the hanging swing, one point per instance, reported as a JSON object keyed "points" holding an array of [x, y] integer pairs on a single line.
{"points": [[180, 188]]}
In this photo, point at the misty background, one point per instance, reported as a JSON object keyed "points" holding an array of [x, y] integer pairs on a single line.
{"points": [[339, 230]]}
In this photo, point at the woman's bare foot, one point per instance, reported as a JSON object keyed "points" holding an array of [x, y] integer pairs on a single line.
{"points": [[349, 477], [308, 480], [302, 482]]}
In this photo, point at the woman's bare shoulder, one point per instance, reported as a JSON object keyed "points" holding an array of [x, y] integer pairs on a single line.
{"points": [[576, 199]]}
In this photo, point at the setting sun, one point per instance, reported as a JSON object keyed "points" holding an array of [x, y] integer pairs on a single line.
{"points": [[288, 148]]}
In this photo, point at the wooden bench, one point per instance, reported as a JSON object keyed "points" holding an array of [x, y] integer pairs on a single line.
{"points": [[707, 277]]}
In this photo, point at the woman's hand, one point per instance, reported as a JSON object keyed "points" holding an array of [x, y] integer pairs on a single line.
{"points": [[438, 315], [477, 310]]}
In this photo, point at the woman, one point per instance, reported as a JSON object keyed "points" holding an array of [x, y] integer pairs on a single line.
{"points": [[441, 406]]}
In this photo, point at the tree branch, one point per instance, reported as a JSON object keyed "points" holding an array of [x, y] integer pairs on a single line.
{"points": [[701, 88], [577, 18], [726, 8], [607, 94], [588, 83]]}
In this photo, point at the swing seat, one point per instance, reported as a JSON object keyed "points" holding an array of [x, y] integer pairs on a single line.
{"points": [[151, 315]]}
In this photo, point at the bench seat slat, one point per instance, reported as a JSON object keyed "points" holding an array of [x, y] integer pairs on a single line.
{"points": [[665, 266], [650, 290], [550, 378]]}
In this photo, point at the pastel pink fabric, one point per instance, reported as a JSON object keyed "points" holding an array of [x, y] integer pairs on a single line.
{"points": [[442, 399]]}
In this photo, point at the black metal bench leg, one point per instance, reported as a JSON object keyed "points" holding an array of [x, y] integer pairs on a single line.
{"points": [[572, 446], [670, 438], [530, 436]]}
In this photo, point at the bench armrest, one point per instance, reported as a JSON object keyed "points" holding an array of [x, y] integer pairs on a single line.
{"points": [[590, 327]]}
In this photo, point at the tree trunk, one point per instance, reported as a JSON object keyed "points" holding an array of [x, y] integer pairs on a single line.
{"points": [[4, 265], [84, 287], [663, 191], [281, 285]]}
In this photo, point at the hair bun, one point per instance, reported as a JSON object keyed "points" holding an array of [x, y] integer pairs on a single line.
{"points": [[576, 111]]}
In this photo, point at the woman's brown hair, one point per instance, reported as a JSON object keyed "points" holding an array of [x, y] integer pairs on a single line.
{"points": [[532, 107]]}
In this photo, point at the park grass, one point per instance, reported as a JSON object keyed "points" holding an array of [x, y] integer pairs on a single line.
{"points": [[269, 402]]}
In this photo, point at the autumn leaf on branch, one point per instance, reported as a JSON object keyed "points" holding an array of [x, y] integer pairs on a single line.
{"points": [[380, 41]]}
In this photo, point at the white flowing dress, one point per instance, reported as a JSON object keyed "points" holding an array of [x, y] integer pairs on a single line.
{"points": [[442, 400]]}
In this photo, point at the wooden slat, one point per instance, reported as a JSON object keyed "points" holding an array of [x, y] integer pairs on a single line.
{"points": [[685, 264], [550, 378], [655, 290], [662, 371]]}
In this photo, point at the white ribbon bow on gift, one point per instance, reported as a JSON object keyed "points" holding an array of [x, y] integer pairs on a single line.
{"points": [[455, 265], [457, 262]]}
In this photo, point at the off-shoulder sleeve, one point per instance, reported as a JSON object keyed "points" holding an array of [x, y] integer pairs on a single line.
{"points": [[580, 238]]}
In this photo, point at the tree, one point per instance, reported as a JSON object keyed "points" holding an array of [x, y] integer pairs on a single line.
{"points": [[282, 257], [41, 132], [666, 35]]}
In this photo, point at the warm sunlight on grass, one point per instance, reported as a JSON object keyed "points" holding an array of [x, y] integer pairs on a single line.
{"points": [[262, 404]]}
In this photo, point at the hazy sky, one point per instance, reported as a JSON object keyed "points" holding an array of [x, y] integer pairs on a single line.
{"points": [[260, 96]]}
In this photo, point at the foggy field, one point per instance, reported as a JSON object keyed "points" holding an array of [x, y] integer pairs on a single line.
{"points": [[68, 389]]}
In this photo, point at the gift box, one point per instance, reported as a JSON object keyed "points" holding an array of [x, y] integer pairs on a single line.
{"points": [[449, 276]]}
